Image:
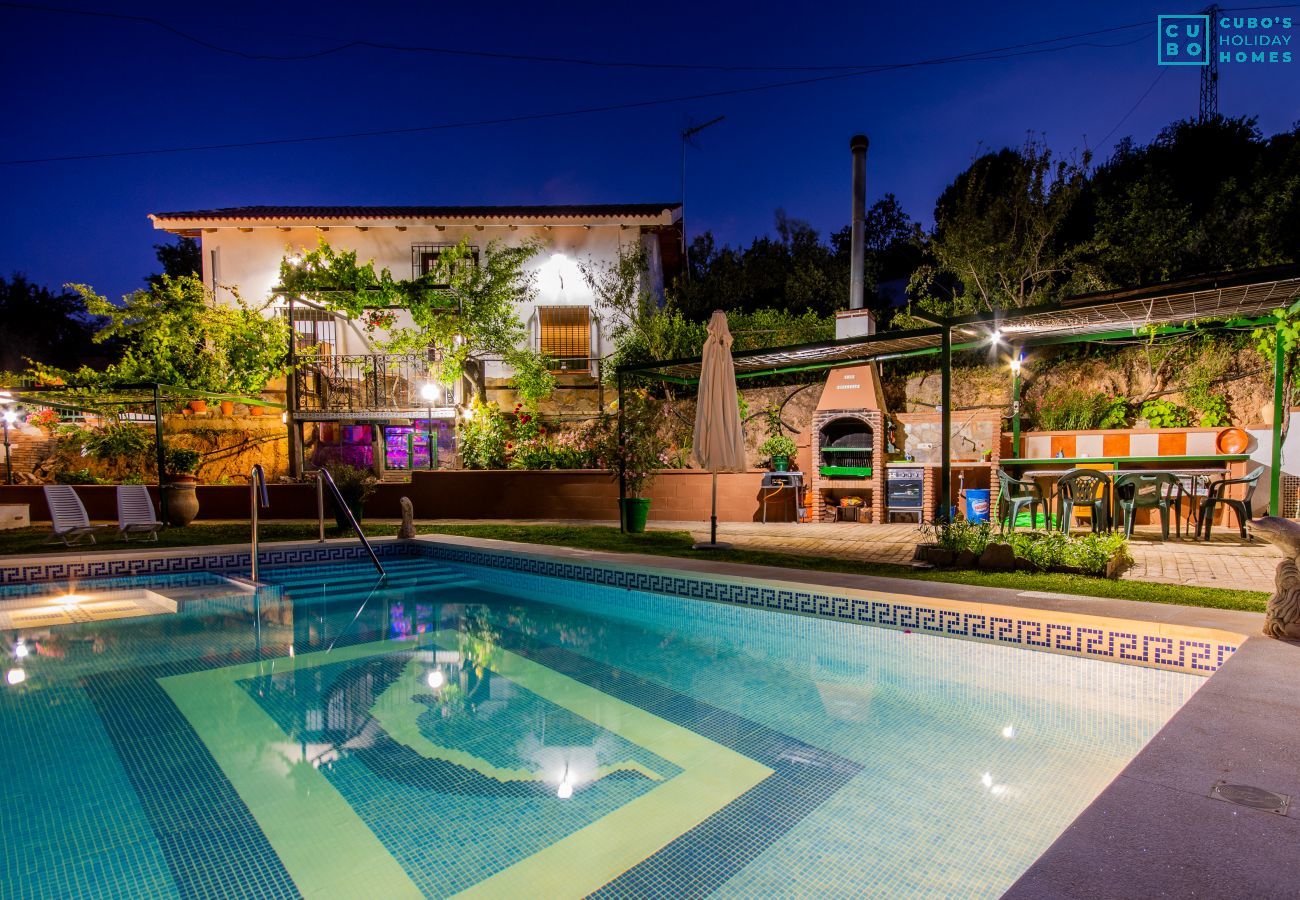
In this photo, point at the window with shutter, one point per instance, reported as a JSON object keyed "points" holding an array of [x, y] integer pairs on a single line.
{"points": [[565, 336]]}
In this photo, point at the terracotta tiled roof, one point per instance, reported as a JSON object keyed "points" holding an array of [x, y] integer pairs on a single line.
{"points": [[298, 213]]}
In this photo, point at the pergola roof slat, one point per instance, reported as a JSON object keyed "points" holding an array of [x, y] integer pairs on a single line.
{"points": [[1247, 295]]}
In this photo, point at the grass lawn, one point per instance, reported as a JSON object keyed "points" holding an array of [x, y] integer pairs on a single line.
{"points": [[676, 543]]}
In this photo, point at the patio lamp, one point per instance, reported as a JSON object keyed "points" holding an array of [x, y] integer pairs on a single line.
{"points": [[9, 417], [430, 394]]}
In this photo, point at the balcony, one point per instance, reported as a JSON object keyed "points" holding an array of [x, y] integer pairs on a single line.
{"points": [[347, 385]]}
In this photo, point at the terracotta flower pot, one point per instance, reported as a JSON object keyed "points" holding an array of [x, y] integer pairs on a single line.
{"points": [[199, 406], [227, 408], [257, 410], [182, 500]]}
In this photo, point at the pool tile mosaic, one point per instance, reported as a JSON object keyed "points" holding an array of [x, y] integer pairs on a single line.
{"points": [[807, 757]]}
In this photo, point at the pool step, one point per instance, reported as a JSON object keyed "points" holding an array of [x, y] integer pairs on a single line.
{"points": [[357, 572], [336, 585]]}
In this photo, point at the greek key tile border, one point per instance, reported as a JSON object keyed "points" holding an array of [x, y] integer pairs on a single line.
{"points": [[121, 566], [1133, 642]]}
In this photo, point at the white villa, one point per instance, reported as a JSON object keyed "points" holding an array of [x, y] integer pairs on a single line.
{"points": [[242, 248]]}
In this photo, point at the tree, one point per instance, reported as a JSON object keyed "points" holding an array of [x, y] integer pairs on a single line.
{"points": [[462, 313], [1002, 236], [42, 326], [642, 331], [175, 333], [893, 251], [184, 257], [1204, 196]]}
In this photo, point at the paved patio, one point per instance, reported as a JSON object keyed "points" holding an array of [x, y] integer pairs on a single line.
{"points": [[1223, 562]]}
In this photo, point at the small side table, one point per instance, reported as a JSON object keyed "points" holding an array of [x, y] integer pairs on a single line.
{"points": [[776, 482]]}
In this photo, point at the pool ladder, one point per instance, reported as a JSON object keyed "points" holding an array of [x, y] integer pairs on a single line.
{"points": [[324, 478], [259, 498]]}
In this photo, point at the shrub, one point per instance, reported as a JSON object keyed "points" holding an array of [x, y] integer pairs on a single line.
{"points": [[356, 484], [181, 461], [117, 440], [76, 476], [1089, 553], [1163, 413], [642, 449], [961, 534], [43, 418], [482, 437], [778, 445], [1044, 550], [1066, 408]]}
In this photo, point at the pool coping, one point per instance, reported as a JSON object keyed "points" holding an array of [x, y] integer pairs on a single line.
{"points": [[1155, 830]]}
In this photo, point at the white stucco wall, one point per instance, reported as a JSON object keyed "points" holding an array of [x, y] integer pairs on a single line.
{"points": [[250, 262]]}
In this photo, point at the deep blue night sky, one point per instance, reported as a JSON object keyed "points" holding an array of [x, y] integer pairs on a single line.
{"points": [[83, 85]]}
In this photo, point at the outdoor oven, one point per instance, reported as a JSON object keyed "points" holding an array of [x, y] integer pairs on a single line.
{"points": [[904, 489], [848, 447]]}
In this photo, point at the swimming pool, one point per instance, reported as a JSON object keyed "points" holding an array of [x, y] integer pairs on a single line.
{"points": [[461, 729]]}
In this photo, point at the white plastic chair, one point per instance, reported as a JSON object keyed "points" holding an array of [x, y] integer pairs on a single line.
{"points": [[67, 515], [135, 513]]}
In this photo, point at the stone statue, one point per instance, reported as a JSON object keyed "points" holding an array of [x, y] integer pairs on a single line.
{"points": [[407, 531], [1282, 617]]}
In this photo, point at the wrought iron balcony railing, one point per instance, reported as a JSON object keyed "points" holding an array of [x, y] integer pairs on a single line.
{"points": [[361, 383]]}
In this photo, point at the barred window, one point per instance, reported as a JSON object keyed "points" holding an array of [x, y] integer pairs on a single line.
{"points": [[314, 328], [565, 335], [424, 259]]}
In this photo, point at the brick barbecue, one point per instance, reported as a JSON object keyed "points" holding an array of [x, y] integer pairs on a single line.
{"points": [[848, 441]]}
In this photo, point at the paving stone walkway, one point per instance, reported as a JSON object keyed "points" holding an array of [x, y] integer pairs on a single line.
{"points": [[1223, 562]]}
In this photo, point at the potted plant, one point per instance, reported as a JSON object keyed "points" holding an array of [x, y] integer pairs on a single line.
{"points": [[636, 456], [356, 485], [179, 467], [780, 449]]}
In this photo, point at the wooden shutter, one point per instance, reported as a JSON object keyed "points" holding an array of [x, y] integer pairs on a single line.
{"points": [[565, 335]]}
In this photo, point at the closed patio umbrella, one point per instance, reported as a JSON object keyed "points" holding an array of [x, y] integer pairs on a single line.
{"points": [[719, 444]]}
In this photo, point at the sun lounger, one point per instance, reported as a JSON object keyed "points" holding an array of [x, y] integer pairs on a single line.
{"points": [[67, 514], [135, 512]]}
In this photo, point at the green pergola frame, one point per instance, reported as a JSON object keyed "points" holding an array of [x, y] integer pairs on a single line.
{"points": [[1244, 299], [124, 394]]}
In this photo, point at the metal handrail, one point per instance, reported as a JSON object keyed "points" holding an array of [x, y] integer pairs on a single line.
{"points": [[256, 479], [323, 477]]}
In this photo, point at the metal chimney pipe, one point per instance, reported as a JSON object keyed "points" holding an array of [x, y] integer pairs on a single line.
{"points": [[858, 247]]}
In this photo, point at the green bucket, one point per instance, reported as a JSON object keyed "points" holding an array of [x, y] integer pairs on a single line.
{"points": [[635, 511]]}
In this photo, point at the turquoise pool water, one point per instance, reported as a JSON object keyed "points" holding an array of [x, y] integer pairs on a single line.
{"points": [[457, 729]]}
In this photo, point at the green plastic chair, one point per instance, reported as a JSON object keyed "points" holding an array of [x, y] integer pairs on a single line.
{"points": [[1087, 488], [1015, 494], [1149, 490], [1242, 508]]}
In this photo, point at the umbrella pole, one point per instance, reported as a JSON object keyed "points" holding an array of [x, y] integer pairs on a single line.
{"points": [[713, 518], [712, 543]]}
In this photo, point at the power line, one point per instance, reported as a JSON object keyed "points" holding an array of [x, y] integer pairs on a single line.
{"points": [[976, 56], [1134, 107], [515, 57]]}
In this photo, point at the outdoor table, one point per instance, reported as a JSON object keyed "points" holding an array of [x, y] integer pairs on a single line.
{"points": [[1194, 480]]}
